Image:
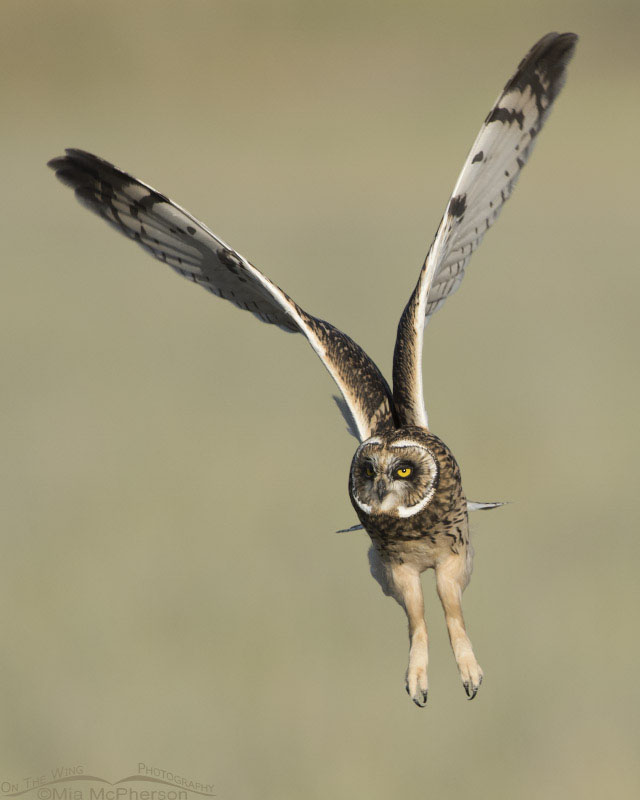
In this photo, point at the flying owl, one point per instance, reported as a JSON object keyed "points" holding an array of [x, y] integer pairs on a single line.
{"points": [[404, 482]]}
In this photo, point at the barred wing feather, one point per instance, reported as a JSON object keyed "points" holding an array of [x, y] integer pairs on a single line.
{"points": [[170, 234], [486, 181]]}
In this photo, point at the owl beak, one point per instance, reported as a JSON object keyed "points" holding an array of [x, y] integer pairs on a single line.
{"points": [[381, 489]]}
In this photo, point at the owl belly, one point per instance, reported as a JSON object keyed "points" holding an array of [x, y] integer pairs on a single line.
{"points": [[421, 553], [422, 543]]}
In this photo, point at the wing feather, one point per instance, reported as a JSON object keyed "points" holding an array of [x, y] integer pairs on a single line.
{"points": [[170, 234], [486, 181]]}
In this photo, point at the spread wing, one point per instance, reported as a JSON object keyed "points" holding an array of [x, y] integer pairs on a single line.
{"points": [[487, 179], [172, 235]]}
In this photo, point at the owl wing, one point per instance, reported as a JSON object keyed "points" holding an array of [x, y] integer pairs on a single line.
{"points": [[172, 235], [486, 181]]}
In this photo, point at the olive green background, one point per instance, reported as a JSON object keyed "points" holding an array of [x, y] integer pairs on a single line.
{"points": [[173, 472]]}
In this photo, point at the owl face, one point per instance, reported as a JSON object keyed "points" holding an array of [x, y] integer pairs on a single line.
{"points": [[397, 477]]}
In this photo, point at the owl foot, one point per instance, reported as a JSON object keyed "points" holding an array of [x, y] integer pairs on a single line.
{"points": [[416, 686], [471, 675]]}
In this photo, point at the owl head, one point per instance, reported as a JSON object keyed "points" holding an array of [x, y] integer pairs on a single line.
{"points": [[394, 474]]}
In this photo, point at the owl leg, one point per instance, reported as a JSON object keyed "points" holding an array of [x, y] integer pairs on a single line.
{"points": [[452, 576], [406, 588]]}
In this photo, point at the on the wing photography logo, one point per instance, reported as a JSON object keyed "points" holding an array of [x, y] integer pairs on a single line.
{"points": [[73, 783]]}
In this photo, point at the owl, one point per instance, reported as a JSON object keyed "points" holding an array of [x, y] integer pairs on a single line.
{"points": [[404, 482]]}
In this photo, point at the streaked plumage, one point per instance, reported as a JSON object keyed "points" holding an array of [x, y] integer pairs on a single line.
{"points": [[404, 482]]}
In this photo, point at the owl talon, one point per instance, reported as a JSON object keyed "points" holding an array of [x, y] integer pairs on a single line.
{"points": [[416, 686], [471, 687], [471, 691], [419, 696]]}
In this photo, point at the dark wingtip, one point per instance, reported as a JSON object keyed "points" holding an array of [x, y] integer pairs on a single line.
{"points": [[78, 158], [571, 39], [65, 170], [79, 168], [562, 47], [554, 49], [550, 56], [71, 154], [555, 44]]}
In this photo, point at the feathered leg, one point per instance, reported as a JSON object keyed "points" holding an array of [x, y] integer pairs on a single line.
{"points": [[402, 582], [452, 577]]}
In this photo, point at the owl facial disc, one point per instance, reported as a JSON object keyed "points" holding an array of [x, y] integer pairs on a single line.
{"points": [[398, 479]]}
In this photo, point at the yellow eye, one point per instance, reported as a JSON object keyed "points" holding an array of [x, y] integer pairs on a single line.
{"points": [[403, 472], [368, 471]]}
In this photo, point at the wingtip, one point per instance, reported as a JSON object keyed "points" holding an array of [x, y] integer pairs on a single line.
{"points": [[552, 52], [64, 158], [556, 48], [565, 45], [56, 164], [352, 528], [76, 156], [480, 506], [61, 163], [571, 38]]}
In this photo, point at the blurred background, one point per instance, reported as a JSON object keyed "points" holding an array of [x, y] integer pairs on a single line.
{"points": [[173, 472]]}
